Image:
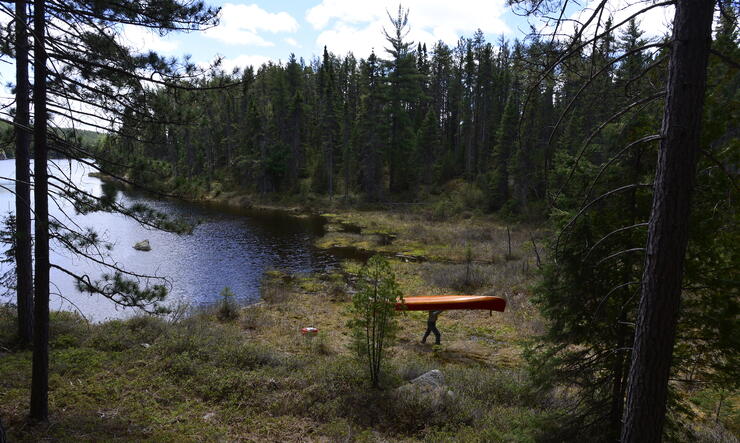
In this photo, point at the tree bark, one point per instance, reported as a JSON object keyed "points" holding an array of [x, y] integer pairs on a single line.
{"points": [[40, 368], [668, 231], [23, 261]]}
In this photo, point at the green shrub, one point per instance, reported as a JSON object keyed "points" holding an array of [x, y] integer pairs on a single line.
{"points": [[119, 335], [374, 314], [227, 310], [274, 290], [67, 329]]}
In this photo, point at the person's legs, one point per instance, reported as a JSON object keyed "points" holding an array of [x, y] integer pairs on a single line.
{"points": [[428, 331], [437, 335]]}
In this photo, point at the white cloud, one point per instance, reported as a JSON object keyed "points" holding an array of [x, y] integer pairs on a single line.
{"points": [[241, 24], [142, 40], [292, 42], [654, 23], [358, 26]]}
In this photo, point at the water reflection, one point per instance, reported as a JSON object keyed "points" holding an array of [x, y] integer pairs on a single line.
{"points": [[227, 247]]}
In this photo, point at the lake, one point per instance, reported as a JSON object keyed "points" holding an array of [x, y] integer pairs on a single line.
{"points": [[227, 247]]}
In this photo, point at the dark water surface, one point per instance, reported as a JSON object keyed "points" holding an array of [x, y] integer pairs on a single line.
{"points": [[227, 248]]}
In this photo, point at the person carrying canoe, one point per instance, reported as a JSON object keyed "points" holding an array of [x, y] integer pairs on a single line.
{"points": [[432, 327]]}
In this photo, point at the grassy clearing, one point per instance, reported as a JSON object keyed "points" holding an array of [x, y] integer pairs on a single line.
{"points": [[417, 235], [257, 378], [246, 373]]}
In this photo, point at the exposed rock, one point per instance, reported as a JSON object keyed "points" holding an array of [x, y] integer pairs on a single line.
{"points": [[428, 389], [143, 246], [209, 416], [433, 378]]}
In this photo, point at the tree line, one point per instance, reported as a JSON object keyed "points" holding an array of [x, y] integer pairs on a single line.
{"points": [[397, 125]]}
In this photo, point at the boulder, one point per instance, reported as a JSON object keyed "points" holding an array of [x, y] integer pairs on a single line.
{"points": [[428, 391], [143, 246], [434, 378]]}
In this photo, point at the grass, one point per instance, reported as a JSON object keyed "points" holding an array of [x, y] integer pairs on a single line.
{"points": [[414, 235], [257, 378], [246, 373]]}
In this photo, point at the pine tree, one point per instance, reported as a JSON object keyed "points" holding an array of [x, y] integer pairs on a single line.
{"points": [[402, 94], [498, 181]]}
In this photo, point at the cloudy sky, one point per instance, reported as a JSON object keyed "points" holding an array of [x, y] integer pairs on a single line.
{"points": [[254, 31]]}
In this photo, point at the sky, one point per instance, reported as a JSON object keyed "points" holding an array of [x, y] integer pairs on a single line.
{"points": [[254, 31], [251, 32]]}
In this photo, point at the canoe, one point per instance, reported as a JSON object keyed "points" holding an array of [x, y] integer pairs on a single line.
{"points": [[448, 302]]}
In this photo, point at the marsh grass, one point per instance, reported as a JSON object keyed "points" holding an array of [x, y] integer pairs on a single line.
{"points": [[255, 379]]}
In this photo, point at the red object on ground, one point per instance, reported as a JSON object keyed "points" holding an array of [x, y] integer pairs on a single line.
{"points": [[309, 331], [449, 302]]}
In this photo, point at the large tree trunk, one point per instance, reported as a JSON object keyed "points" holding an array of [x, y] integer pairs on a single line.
{"points": [[40, 369], [668, 232], [23, 262]]}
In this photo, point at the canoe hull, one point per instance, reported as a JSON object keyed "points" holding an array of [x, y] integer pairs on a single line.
{"points": [[450, 302]]}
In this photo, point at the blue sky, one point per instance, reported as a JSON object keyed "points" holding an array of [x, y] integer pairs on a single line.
{"points": [[252, 32]]}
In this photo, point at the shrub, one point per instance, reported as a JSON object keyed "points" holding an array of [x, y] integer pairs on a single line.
{"points": [[67, 329], [373, 313], [119, 335], [227, 310], [253, 317]]}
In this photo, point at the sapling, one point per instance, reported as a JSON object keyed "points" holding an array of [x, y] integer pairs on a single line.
{"points": [[374, 314]]}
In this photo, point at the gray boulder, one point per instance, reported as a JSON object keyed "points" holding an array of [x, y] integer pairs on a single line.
{"points": [[428, 391], [433, 378], [143, 246]]}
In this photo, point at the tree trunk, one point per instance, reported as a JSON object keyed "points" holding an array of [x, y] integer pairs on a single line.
{"points": [[40, 369], [668, 231], [23, 262]]}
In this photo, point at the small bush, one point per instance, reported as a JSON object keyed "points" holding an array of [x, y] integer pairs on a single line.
{"points": [[320, 344], [412, 410], [8, 325], [227, 309], [67, 329], [119, 335], [219, 345], [410, 368], [374, 315]]}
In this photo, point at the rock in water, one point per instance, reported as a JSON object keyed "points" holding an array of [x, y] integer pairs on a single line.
{"points": [[143, 246]]}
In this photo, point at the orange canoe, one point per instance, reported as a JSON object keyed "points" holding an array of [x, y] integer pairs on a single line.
{"points": [[447, 302]]}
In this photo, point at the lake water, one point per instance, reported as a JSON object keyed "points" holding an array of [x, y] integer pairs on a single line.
{"points": [[227, 248]]}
